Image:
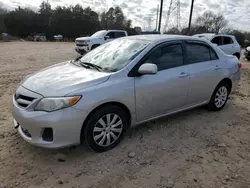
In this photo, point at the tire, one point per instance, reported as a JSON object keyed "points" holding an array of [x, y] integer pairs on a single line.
{"points": [[96, 132], [94, 46], [220, 93]]}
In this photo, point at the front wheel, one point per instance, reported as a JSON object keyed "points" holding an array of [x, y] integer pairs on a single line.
{"points": [[219, 97], [105, 127]]}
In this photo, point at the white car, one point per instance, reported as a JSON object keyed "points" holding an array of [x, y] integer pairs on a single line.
{"points": [[226, 43], [85, 44]]}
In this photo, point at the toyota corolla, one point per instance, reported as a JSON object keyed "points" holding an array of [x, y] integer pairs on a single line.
{"points": [[95, 98]]}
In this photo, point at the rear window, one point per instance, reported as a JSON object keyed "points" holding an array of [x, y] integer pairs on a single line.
{"points": [[197, 53]]}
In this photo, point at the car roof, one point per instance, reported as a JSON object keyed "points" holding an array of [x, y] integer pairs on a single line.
{"points": [[163, 37], [114, 30], [212, 34]]}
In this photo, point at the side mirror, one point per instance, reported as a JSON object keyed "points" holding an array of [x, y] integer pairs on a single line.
{"points": [[148, 68], [106, 37]]}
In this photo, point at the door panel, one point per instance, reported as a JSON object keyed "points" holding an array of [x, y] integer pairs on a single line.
{"points": [[205, 72], [203, 79], [161, 93]]}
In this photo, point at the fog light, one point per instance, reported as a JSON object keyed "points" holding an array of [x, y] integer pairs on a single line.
{"points": [[47, 134], [26, 132]]}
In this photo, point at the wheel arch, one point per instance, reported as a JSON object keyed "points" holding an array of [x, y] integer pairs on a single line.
{"points": [[228, 81], [119, 104]]}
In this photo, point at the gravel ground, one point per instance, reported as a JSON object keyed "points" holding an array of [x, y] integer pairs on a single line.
{"points": [[191, 149]]}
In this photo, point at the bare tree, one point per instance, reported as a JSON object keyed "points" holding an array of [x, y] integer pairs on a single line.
{"points": [[173, 30], [211, 22]]}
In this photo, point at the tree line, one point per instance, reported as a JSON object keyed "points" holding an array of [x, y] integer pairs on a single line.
{"points": [[71, 21], [75, 21]]}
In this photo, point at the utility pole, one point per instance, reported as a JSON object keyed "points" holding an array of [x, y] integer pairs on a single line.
{"points": [[157, 14], [190, 17], [159, 26]]}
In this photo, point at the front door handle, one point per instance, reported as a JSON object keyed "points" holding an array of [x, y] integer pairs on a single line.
{"points": [[217, 67], [183, 75]]}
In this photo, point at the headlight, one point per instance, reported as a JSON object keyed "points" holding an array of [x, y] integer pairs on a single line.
{"points": [[52, 104]]}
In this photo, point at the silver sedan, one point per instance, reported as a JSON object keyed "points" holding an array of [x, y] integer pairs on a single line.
{"points": [[97, 97]]}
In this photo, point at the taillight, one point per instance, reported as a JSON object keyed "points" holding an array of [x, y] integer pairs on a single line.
{"points": [[239, 65]]}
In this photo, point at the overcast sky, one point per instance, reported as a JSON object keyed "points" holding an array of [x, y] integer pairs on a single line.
{"points": [[140, 11]]}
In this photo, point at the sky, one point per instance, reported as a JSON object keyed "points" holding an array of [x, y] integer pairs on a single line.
{"points": [[143, 12]]}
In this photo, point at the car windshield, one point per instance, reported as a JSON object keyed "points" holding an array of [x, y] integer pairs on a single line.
{"points": [[99, 34], [115, 55]]}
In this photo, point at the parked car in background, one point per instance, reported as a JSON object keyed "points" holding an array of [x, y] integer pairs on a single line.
{"points": [[226, 43], [97, 97], [40, 37], [247, 53], [37, 37], [58, 37], [85, 44]]}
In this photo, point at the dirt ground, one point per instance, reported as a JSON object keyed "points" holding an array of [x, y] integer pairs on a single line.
{"points": [[193, 149]]}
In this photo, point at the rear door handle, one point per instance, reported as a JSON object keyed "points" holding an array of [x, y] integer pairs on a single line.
{"points": [[217, 67], [183, 75]]}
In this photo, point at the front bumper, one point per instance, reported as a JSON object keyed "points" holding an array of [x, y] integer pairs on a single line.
{"points": [[66, 125], [82, 49]]}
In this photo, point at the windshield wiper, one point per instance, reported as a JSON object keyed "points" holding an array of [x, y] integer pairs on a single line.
{"points": [[76, 59], [91, 65]]}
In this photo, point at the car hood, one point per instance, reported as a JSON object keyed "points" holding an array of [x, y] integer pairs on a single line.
{"points": [[63, 78]]}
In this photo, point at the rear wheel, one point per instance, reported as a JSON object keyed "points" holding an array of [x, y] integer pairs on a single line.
{"points": [[105, 127], [219, 97]]}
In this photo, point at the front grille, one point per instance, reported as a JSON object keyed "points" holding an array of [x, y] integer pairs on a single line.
{"points": [[23, 101], [81, 45]]}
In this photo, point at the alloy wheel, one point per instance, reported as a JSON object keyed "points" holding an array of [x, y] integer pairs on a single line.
{"points": [[221, 97], [107, 129]]}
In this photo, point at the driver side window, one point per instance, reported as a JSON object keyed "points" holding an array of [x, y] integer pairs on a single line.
{"points": [[166, 57], [111, 35]]}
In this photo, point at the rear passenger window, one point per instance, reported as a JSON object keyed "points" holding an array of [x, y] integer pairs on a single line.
{"points": [[227, 40], [217, 40], [166, 57], [197, 53], [119, 34]]}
